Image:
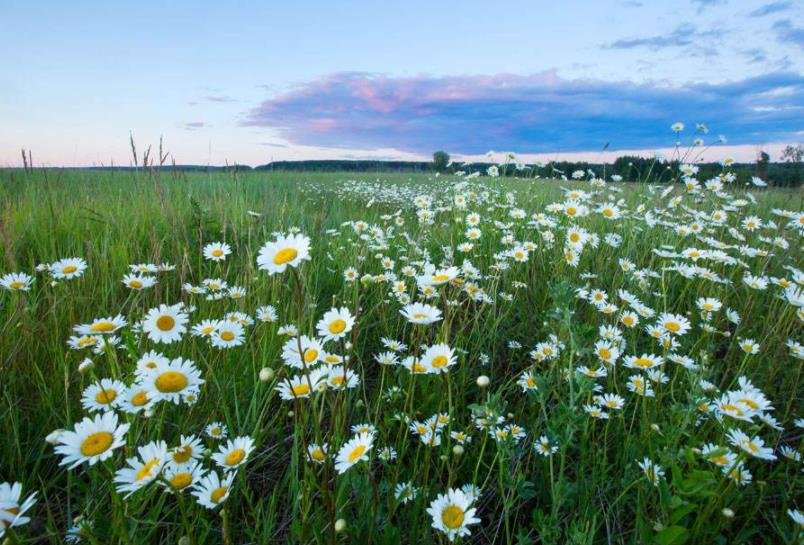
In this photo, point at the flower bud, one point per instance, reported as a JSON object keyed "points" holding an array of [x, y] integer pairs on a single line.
{"points": [[266, 374], [483, 381]]}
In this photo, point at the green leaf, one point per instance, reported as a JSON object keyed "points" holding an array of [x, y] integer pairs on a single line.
{"points": [[672, 535]]}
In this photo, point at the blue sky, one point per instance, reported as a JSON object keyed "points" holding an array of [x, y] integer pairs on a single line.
{"points": [[251, 82]]}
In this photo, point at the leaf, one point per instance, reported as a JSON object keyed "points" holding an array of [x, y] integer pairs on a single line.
{"points": [[672, 535]]}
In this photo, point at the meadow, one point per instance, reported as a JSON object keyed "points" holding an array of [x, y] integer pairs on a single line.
{"points": [[271, 357]]}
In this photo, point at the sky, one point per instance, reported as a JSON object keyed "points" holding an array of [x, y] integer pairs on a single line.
{"points": [[252, 82]]}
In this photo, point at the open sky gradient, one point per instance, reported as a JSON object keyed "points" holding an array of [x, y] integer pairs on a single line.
{"points": [[357, 79]]}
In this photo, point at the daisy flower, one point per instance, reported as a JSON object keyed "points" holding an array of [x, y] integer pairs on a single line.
{"points": [[104, 395], [438, 358], [137, 282], [227, 334], [217, 251], [92, 441], [182, 476], [284, 252], [419, 313], [234, 453], [216, 430], [101, 326], [172, 381], [165, 324], [16, 282], [355, 450], [143, 469], [452, 513], [12, 511], [211, 491], [69, 268], [335, 324]]}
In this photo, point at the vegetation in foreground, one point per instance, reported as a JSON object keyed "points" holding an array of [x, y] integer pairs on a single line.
{"points": [[269, 357]]}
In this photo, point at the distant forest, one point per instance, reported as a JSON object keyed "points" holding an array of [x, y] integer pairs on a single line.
{"points": [[630, 168]]}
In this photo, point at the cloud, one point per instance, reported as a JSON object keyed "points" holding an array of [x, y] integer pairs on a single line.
{"points": [[534, 113], [219, 98], [755, 55], [194, 125], [773, 7], [684, 34], [703, 4], [787, 33]]}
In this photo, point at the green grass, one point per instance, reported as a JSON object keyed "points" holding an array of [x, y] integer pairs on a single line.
{"points": [[590, 491]]}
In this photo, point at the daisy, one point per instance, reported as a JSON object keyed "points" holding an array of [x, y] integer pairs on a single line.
{"points": [[92, 441], [150, 360], [165, 324], [135, 399], [310, 348], [300, 386], [189, 449], [143, 469], [101, 326], [12, 512], [137, 282], [754, 446], [227, 334], [544, 447], [178, 477], [335, 324], [234, 454], [317, 453], [69, 268], [651, 470], [405, 492], [266, 314], [16, 282], [205, 328], [355, 450], [104, 395], [211, 491], [172, 381], [216, 430], [419, 313], [674, 323], [217, 251], [438, 358], [452, 513], [284, 252]]}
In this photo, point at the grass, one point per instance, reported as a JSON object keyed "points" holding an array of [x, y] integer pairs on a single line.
{"points": [[591, 490]]}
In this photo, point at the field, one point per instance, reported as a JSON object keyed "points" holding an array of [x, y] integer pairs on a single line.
{"points": [[392, 358]]}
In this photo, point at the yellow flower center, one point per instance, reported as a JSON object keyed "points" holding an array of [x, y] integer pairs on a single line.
{"points": [[440, 361], [87, 341], [575, 237], [217, 495], [441, 277], [103, 327], [136, 284], [356, 453], [165, 323], [69, 269], [235, 457], [96, 443], [730, 407], [604, 353], [182, 454], [285, 255], [337, 326], [217, 252], [181, 480], [719, 460], [106, 396], [171, 382], [338, 380], [310, 355], [227, 336], [146, 470], [16, 285], [207, 330], [452, 517], [417, 367], [675, 327], [318, 455], [571, 211], [608, 212], [140, 398], [301, 390]]}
